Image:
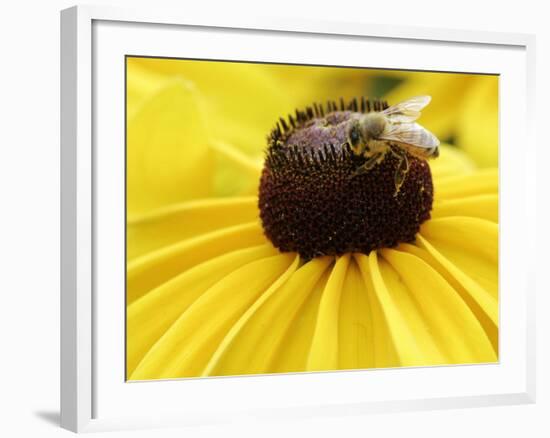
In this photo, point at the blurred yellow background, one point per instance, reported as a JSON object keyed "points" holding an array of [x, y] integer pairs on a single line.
{"points": [[195, 127]]}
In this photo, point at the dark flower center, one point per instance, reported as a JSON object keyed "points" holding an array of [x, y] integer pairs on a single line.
{"points": [[311, 200]]}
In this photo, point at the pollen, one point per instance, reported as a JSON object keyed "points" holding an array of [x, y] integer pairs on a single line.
{"points": [[311, 200]]}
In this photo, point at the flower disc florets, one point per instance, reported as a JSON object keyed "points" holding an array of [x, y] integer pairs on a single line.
{"points": [[312, 202]]}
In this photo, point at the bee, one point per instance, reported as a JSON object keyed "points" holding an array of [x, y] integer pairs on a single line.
{"points": [[393, 130]]}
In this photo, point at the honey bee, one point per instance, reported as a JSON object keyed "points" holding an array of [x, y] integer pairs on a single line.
{"points": [[393, 130]]}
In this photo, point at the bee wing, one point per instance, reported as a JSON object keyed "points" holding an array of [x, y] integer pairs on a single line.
{"points": [[407, 111], [411, 134]]}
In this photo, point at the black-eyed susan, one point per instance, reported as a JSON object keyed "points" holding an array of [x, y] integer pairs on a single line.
{"points": [[215, 289]]}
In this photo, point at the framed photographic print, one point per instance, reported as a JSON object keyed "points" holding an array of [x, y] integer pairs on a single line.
{"points": [[281, 220]]}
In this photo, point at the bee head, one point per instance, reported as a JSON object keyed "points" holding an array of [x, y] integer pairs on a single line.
{"points": [[373, 125], [355, 138]]}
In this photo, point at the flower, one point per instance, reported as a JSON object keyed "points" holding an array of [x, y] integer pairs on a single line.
{"points": [[208, 294]]}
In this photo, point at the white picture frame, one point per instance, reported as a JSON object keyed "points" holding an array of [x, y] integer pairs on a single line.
{"points": [[85, 32]]}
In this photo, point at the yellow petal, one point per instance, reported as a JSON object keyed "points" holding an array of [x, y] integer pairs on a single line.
{"points": [[168, 159], [477, 124], [383, 350], [481, 182], [480, 301], [454, 328], [355, 329], [409, 334], [154, 268], [236, 173], [292, 354], [151, 315], [168, 225], [469, 243], [254, 340], [451, 162], [465, 252], [235, 113], [141, 84], [480, 206], [185, 349], [323, 354]]}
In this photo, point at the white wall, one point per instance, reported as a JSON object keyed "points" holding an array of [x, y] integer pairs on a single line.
{"points": [[29, 219]]}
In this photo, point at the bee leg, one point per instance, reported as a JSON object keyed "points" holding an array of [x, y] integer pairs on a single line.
{"points": [[369, 164], [401, 171]]}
